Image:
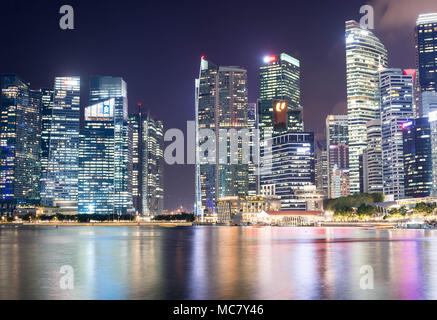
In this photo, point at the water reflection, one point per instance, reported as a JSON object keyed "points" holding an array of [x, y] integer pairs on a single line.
{"points": [[217, 263]]}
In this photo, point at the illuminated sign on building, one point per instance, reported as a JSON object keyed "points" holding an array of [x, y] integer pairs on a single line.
{"points": [[280, 115], [100, 110], [407, 124]]}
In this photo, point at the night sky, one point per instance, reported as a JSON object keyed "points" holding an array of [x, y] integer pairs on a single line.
{"points": [[156, 47]]}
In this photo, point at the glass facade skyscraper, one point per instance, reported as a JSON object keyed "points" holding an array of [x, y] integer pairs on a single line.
{"points": [[97, 162], [337, 139], [61, 183], [365, 56], [106, 134], [19, 144], [152, 167], [252, 122], [289, 168], [136, 147], [396, 89], [46, 127], [426, 55], [221, 106], [417, 158], [279, 83], [372, 159]]}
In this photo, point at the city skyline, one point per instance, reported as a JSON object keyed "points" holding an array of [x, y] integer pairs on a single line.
{"points": [[268, 44]]}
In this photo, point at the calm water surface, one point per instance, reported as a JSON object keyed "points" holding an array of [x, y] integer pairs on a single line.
{"points": [[217, 263]]}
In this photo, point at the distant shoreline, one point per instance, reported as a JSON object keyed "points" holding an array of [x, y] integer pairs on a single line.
{"points": [[101, 224]]}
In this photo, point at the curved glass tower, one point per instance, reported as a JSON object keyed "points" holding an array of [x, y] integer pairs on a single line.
{"points": [[365, 56]]}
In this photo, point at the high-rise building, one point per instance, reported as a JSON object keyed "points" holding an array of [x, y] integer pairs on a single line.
{"points": [[110, 93], [417, 158], [136, 147], [97, 161], [433, 127], [426, 55], [337, 139], [321, 168], [19, 144], [289, 168], [252, 124], [279, 105], [372, 159], [46, 127], [152, 166], [365, 55], [221, 106], [61, 183], [396, 90]]}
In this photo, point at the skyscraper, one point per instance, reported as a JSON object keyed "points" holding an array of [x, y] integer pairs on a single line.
{"points": [[221, 106], [97, 161], [252, 123], [289, 168], [152, 166], [396, 89], [61, 184], [337, 139], [365, 55], [321, 168], [426, 55], [279, 105], [110, 93], [433, 128], [417, 158], [19, 143], [372, 159], [46, 127], [136, 147]]}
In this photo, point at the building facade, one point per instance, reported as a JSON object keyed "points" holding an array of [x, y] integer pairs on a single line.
{"points": [[60, 186], [372, 159], [417, 158], [396, 90], [152, 181], [290, 167], [97, 161], [337, 141], [19, 144], [279, 105], [136, 149], [221, 110], [365, 56], [426, 55]]}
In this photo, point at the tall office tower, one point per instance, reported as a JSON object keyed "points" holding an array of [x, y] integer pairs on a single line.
{"points": [[152, 167], [252, 124], [337, 140], [135, 137], [221, 106], [365, 55], [426, 55], [97, 161], [61, 183], [279, 105], [321, 168], [372, 159], [433, 127], [290, 168], [103, 89], [46, 127], [19, 144], [417, 158], [396, 90]]}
